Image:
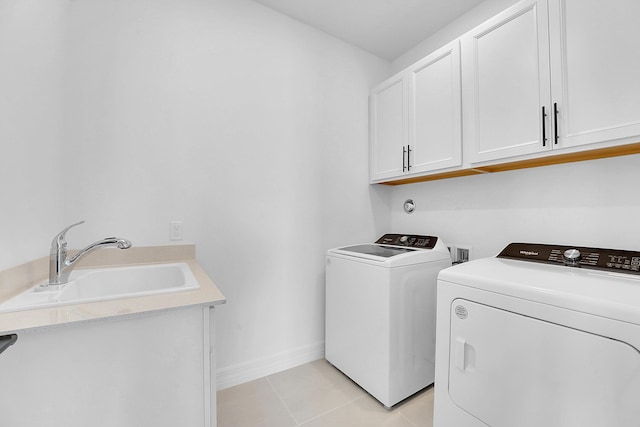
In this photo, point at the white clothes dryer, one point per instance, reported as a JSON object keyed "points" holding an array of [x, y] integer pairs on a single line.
{"points": [[380, 313], [541, 335]]}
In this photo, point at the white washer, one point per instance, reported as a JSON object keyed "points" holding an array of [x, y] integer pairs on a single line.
{"points": [[526, 339], [380, 313]]}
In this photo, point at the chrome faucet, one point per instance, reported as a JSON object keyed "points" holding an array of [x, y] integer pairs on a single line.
{"points": [[60, 266]]}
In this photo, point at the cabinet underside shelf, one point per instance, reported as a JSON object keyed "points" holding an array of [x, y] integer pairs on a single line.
{"points": [[601, 153]]}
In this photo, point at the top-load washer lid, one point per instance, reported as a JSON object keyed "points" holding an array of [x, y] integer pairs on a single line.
{"points": [[377, 250], [395, 250]]}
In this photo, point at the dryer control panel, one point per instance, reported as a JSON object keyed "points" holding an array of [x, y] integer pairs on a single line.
{"points": [[613, 260], [410, 240]]}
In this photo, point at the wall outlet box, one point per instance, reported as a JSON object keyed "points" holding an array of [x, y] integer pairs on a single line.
{"points": [[175, 230], [463, 253]]}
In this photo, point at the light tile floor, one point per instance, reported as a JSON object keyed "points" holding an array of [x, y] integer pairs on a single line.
{"points": [[316, 395]]}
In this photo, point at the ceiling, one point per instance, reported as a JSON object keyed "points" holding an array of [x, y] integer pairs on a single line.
{"points": [[386, 28]]}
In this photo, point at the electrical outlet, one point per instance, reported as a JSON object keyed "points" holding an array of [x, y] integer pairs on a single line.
{"points": [[463, 253], [175, 230]]}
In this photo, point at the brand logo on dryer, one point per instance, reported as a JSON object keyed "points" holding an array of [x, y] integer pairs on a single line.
{"points": [[529, 253], [462, 312]]}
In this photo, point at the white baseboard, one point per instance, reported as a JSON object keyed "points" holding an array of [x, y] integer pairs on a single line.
{"points": [[258, 368]]}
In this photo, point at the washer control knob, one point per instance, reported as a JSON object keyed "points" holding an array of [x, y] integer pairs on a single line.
{"points": [[404, 240], [572, 257]]}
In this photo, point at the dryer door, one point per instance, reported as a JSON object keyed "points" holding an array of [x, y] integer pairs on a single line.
{"points": [[510, 370]]}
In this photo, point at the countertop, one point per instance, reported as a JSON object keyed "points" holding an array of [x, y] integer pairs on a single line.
{"points": [[23, 277]]}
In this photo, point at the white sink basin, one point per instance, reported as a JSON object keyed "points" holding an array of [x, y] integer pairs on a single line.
{"points": [[107, 283]]}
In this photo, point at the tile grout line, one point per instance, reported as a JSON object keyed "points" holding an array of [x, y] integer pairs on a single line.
{"points": [[406, 418], [324, 415], [282, 401], [333, 409], [298, 424]]}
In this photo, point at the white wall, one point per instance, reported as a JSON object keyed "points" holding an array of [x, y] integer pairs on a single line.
{"points": [[31, 135], [591, 203], [249, 127]]}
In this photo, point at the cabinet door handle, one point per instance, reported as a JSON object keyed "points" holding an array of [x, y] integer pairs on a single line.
{"points": [[544, 127], [6, 341], [404, 151], [408, 157], [555, 123]]}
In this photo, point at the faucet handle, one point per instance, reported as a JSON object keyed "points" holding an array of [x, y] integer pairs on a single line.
{"points": [[59, 240]]}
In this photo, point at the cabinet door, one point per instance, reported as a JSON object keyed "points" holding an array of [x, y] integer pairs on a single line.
{"points": [[506, 83], [435, 128], [130, 371], [595, 69], [388, 133]]}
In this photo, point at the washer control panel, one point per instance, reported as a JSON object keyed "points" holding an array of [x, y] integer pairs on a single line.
{"points": [[409, 240], [614, 260]]}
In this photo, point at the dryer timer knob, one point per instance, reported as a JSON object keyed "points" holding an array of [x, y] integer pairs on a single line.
{"points": [[572, 257]]}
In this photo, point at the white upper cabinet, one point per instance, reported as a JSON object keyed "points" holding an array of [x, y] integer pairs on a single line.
{"points": [[595, 68], [415, 118], [507, 84], [551, 75], [541, 79], [388, 133], [435, 111]]}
